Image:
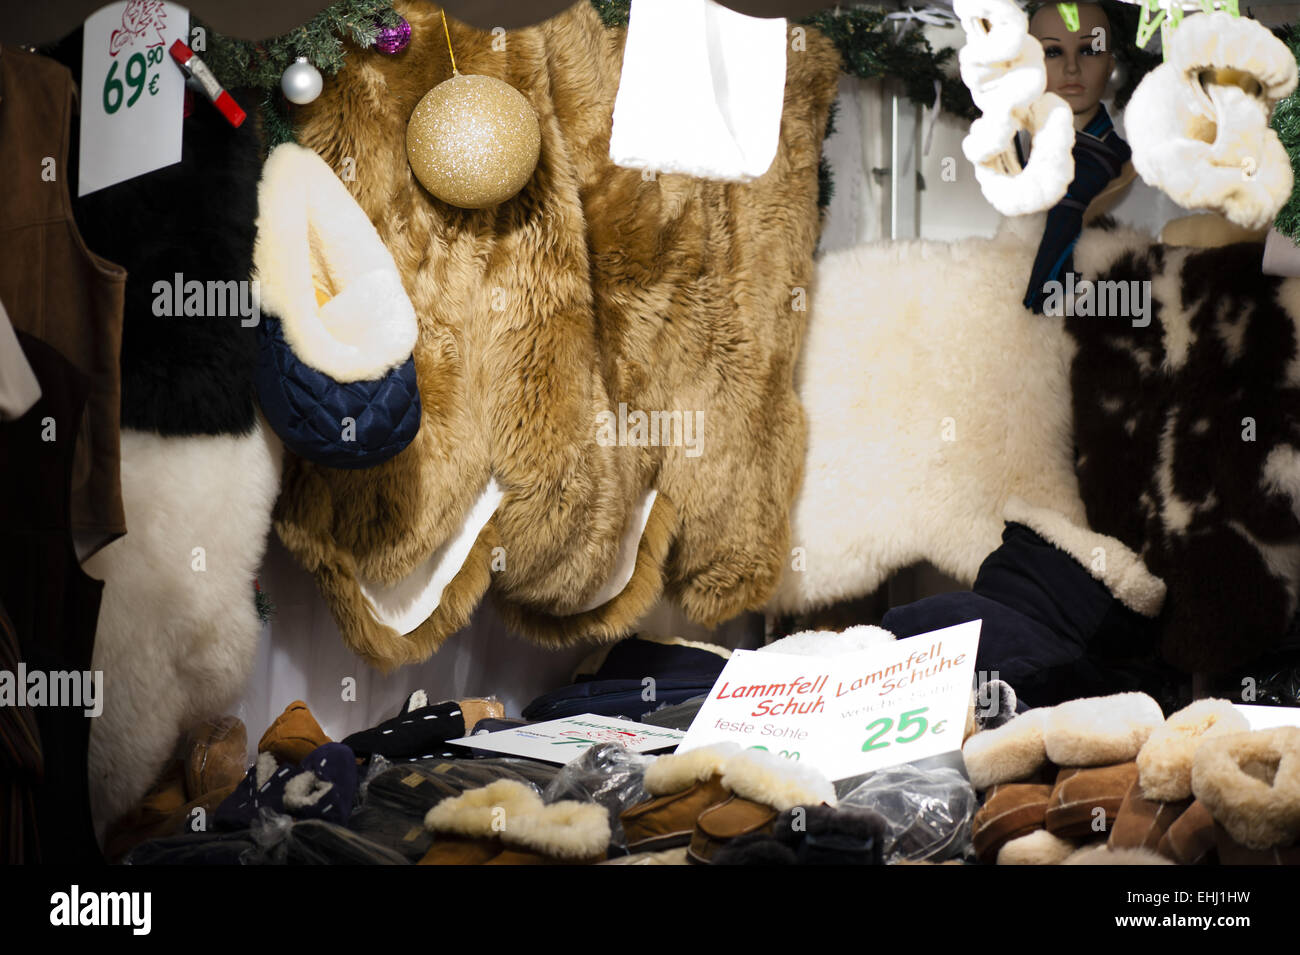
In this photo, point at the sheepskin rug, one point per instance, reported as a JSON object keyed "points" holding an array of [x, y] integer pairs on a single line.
{"points": [[932, 397]]}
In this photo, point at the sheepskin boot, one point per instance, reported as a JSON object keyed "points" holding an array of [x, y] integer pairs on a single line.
{"points": [[762, 785], [1085, 802], [1189, 840], [1010, 812], [1163, 791], [1250, 784], [293, 736], [506, 823], [1055, 626], [682, 786]]}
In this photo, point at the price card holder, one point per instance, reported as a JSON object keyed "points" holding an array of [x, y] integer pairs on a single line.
{"points": [[132, 94], [846, 715]]}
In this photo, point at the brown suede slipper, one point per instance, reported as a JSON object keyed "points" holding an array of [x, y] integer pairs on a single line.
{"points": [[215, 755], [293, 735], [475, 709], [1010, 811], [1232, 852], [1190, 838], [1080, 793], [1142, 822], [453, 851], [729, 820], [668, 822]]}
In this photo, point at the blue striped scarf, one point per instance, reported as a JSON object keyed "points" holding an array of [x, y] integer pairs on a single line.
{"points": [[1099, 154]]}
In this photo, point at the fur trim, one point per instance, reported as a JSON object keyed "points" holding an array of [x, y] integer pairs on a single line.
{"points": [[406, 605], [1037, 848], [978, 412], [1121, 570], [312, 236], [1012, 752], [176, 645], [513, 812], [1165, 762], [814, 643], [1250, 783], [562, 830], [1100, 730], [305, 789], [678, 771], [1103, 855], [775, 781], [486, 812], [265, 769]]}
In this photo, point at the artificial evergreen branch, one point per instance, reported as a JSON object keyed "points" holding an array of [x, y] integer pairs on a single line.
{"points": [[1286, 123]]}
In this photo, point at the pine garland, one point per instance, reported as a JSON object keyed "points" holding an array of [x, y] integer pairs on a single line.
{"points": [[1286, 123], [324, 40]]}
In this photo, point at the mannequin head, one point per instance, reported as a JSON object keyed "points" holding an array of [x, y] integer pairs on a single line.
{"points": [[1078, 63]]}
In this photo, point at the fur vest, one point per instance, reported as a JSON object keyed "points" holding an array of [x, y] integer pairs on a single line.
{"points": [[591, 297]]}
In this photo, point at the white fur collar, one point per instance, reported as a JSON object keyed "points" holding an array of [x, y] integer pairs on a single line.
{"points": [[311, 232]]}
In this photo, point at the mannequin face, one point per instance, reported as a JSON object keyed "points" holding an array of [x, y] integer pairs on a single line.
{"points": [[1078, 64]]}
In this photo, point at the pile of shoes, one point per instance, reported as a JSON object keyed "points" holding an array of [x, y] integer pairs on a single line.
{"points": [[1110, 781]]}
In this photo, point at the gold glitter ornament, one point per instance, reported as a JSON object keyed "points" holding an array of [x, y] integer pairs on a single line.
{"points": [[473, 141]]}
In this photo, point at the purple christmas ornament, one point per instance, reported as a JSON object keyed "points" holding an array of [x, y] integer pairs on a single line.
{"points": [[393, 39]]}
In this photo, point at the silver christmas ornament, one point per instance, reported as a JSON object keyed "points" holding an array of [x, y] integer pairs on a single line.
{"points": [[301, 82]]}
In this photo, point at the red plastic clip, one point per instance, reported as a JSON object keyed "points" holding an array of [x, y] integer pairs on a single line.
{"points": [[195, 67]]}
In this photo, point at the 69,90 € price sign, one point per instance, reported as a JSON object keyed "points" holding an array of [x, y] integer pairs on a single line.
{"points": [[138, 80]]}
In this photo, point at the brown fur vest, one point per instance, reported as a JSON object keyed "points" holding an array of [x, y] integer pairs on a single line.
{"points": [[592, 287]]}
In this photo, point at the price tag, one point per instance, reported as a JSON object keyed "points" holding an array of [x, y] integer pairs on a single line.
{"points": [[132, 94], [850, 714], [558, 741]]}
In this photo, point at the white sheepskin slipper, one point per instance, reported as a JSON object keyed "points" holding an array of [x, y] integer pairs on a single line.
{"points": [[1003, 66], [1102, 855], [1250, 783], [1165, 761], [775, 781], [678, 771], [1100, 730], [1012, 752], [514, 812], [1037, 848], [1199, 123], [813, 643]]}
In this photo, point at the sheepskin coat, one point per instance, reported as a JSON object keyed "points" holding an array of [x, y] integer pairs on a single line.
{"points": [[1188, 435], [594, 287]]}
